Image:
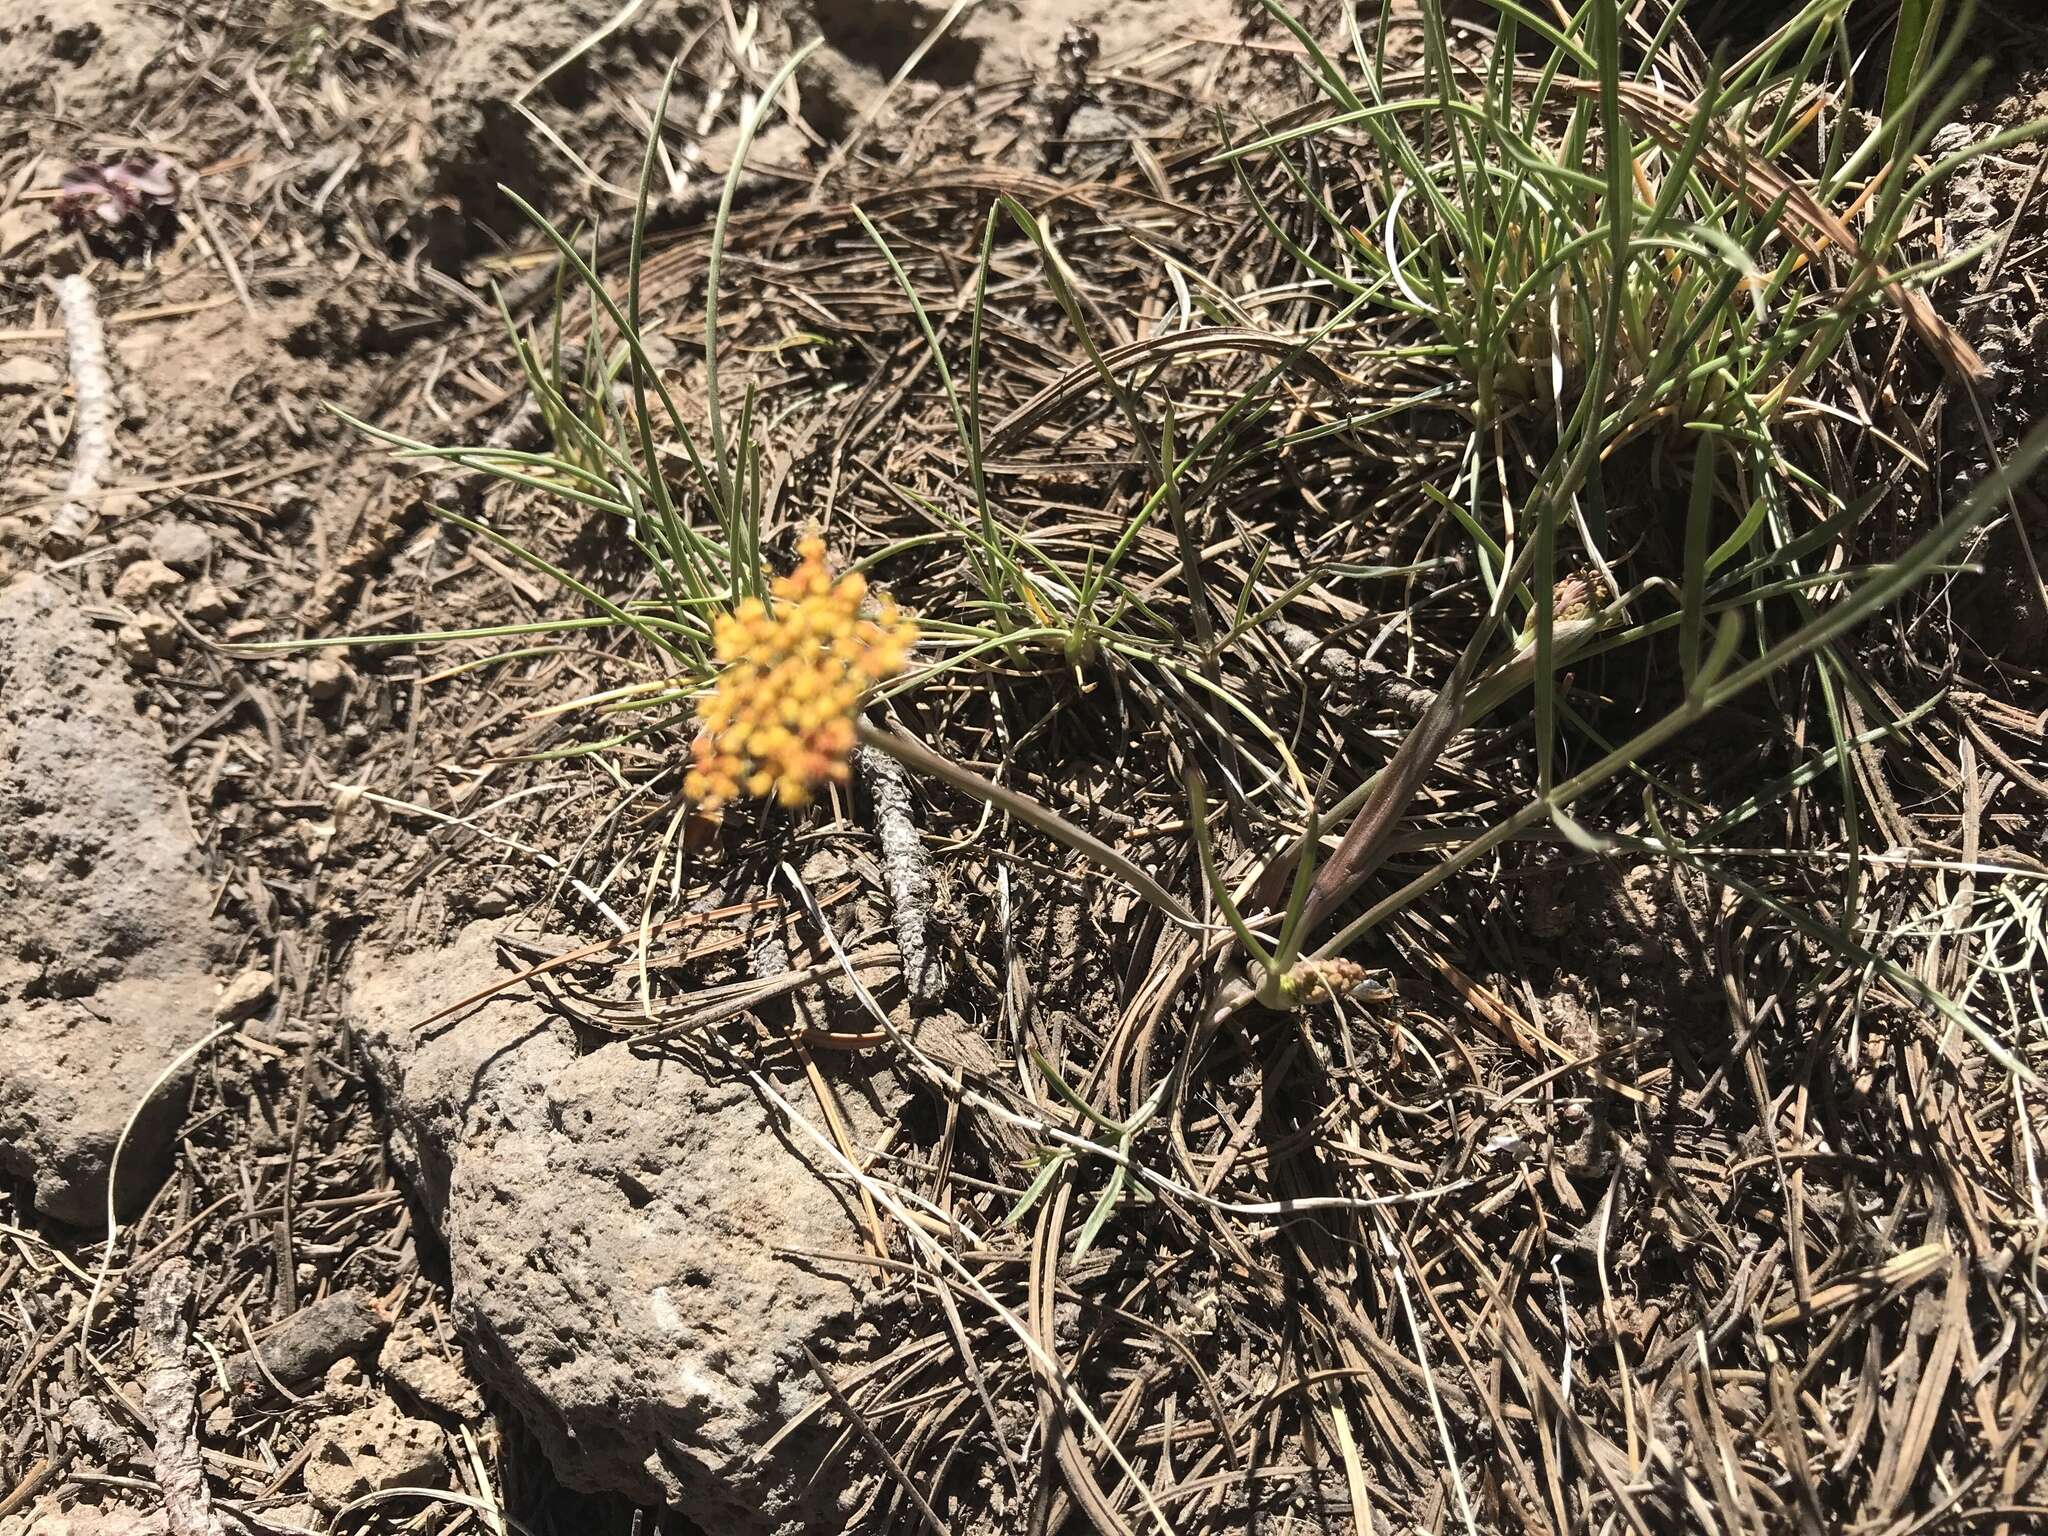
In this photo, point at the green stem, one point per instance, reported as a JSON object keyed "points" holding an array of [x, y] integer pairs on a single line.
{"points": [[915, 754]]}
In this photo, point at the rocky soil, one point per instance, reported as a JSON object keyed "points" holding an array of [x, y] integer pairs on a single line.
{"points": [[106, 984]]}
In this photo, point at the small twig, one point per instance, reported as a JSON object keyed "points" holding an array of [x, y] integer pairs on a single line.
{"points": [[906, 867], [92, 430], [37, 1478], [177, 1065], [170, 1397], [224, 256], [112, 1442], [1356, 676], [858, 1421]]}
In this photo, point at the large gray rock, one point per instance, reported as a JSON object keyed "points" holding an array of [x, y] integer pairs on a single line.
{"points": [[103, 963], [61, 1515], [610, 1221]]}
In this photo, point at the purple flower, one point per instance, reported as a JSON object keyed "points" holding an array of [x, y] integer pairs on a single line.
{"points": [[120, 197]]}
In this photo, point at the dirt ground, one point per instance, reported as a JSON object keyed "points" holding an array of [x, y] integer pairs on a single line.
{"points": [[344, 206]]}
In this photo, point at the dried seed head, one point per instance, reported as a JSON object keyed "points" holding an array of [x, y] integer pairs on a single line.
{"points": [[1311, 981], [1579, 595]]}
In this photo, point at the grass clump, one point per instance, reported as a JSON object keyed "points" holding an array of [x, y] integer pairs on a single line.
{"points": [[1567, 249], [1515, 494], [1585, 231]]}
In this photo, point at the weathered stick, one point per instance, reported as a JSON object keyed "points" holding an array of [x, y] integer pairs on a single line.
{"points": [[170, 1399], [92, 431], [906, 868]]}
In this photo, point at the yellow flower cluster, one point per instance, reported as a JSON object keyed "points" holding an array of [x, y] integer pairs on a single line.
{"points": [[779, 719]]}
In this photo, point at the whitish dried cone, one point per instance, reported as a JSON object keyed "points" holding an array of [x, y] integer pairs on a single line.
{"points": [[92, 432], [170, 1399], [906, 869]]}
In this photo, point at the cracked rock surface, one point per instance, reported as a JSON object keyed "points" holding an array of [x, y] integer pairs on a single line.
{"points": [[616, 1226], [104, 973]]}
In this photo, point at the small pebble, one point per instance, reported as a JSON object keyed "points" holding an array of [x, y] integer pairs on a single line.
{"points": [[182, 545], [135, 649], [19, 225], [144, 580], [289, 499], [346, 1379], [150, 638], [210, 601], [245, 994], [20, 374], [160, 633], [327, 677], [299, 1515], [495, 902], [116, 507]]}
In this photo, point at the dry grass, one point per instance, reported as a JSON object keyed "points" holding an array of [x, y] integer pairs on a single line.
{"points": [[1655, 1194], [1651, 1193]]}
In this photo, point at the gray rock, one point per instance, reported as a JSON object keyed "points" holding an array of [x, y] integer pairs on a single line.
{"points": [[495, 902], [611, 1220], [103, 963], [181, 545], [423, 1373], [310, 1340], [144, 580], [369, 1450]]}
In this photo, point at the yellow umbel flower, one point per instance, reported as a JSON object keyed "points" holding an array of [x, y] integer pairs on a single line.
{"points": [[779, 719]]}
